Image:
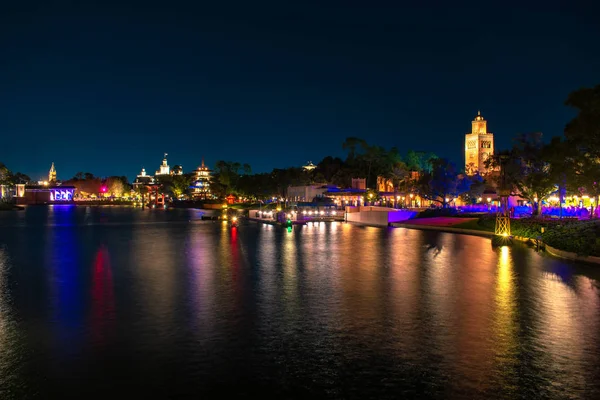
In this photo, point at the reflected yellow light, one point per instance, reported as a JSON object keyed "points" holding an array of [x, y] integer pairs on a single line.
{"points": [[505, 327]]}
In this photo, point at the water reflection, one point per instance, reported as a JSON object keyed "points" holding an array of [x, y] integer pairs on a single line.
{"points": [[103, 299], [326, 310], [504, 338]]}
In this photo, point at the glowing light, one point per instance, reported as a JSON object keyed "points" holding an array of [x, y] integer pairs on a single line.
{"points": [[289, 216], [234, 219], [322, 213], [411, 195], [333, 213], [447, 199], [535, 199], [489, 199], [304, 212], [479, 199], [310, 213]]}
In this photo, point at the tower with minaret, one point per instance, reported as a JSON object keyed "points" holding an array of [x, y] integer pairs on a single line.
{"points": [[479, 146], [52, 174]]}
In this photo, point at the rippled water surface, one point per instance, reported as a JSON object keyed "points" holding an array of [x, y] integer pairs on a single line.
{"points": [[159, 304]]}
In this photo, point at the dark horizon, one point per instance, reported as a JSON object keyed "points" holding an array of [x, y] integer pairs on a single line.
{"points": [[108, 90]]}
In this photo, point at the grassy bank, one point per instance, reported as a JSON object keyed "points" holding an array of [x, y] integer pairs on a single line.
{"points": [[580, 237]]}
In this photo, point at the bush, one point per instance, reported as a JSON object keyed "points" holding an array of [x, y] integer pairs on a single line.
{"points": [[580, 237]]}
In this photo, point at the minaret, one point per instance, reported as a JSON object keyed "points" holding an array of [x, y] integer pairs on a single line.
{"points": [[479, 146], [52, 174]]}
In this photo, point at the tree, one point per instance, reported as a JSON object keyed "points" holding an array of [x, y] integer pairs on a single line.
{"points": [[180, 185], [115, 186], [5, 175], [351, 144], [442, 182], [583, 133], [419, 160], [476, 189], [20, 178], [528, 172], [584, 129]]}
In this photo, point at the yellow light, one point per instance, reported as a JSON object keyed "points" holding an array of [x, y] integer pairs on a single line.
{"points": [[489, 199], [411, 195], [370, 195], [505, 234], [278, 208], [234, 219], [447, 199]]}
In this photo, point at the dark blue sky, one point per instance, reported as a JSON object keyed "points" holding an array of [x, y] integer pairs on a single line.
{"points": [[109, 89]]}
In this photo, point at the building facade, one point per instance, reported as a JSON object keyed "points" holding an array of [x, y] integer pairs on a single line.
{"points": [[164, 168], [479, 146], [143, 179], [201, 186], [52, 174]]}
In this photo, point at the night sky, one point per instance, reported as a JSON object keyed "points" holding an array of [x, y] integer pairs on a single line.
{"points": [[109, 89]]}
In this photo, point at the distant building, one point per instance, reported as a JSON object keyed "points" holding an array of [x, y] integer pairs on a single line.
{"points": [[143, 179], [52, 174], [384, 185], [359, 183], [309, 167], [164, 167], [305, 193], [479, 146], [201, 186], [40, 194]]}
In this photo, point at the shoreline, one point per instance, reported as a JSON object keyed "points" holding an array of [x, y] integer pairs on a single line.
{"points": [[562, 254]]}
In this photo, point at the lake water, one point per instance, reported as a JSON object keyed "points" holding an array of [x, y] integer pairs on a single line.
{"points": [[159, 304]]}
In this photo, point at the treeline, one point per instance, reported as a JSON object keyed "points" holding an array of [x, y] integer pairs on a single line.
{"points": [[8, 178], [363, 160]]}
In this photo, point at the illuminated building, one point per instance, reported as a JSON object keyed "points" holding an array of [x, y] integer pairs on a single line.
{"points": [[309, 167], [164, 167], [479, 146], [143, 179], [201, 186], [45, 195], [52, 174]]}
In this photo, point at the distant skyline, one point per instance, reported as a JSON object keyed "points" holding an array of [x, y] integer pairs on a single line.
{"points": [[110, 89]]}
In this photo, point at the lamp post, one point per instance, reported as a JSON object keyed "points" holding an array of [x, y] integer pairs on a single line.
{"points": [[502, 229]]}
